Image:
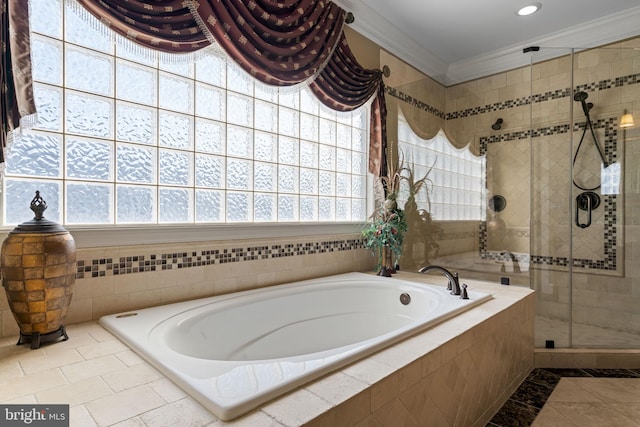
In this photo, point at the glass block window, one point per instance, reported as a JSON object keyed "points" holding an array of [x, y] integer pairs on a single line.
{"points": [[126, 136], [456, 188]]}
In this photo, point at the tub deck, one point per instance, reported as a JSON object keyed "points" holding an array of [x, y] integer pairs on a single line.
{"points": [[459, 372]]}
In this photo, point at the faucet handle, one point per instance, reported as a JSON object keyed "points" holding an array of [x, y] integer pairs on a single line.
{"points": [[464, 295]]}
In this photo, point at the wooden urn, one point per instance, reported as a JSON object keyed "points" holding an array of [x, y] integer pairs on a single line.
{"points": [[38, 274]]}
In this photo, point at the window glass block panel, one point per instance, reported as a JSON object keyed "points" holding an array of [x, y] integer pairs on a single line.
{"points": [[308, 102], [266, 147], [343, 209], [175, 205], [46, 17], [308, 154], [358, 186], [35, 154], [89, 203], [327, 157], [88, 71], [239, 81], [343, 184], [265, 207], [287, 208], [288, 150], [135, 204], [19, 193], [135, 163], [239, 174], [308, 181], [133, 52], [46, 60], [136, 83], [266, 117], [89, 159], [327, 113], [265, 177], [239, 109], [358, 210], [308, 208], [288, 179], [89, 115], [175, 130], [343, 160], [327, 132], [327, 183], [239, 142], [86, 30], [360, 118], [211, 102], [239, 206], [176, 167], [309, 127], [290, 99], [49, 106], [266, 92], [176, 64], [135, 123], [176, 93], [343, 135], [210, 136], [210, 206], [359, 140], [211, 69], [359, 163], [210, 171], [326, 209], [288, 122]]}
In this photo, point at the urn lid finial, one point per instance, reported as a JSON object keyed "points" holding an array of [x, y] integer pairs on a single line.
{"points": [[39, 224]]}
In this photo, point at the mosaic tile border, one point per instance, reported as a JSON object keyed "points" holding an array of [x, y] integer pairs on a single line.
{"points": [[630, 79], [610, 205], [116, 266], [414, 102]]}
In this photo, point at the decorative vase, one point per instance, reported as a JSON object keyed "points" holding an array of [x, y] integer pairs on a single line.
{"points": [[38, 264]]}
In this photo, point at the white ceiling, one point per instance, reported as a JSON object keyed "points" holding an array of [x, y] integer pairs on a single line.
{"points": [[458, 40]]}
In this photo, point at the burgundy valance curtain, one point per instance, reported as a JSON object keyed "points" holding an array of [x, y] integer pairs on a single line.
{"points": [[16, 90], [279, 42]]}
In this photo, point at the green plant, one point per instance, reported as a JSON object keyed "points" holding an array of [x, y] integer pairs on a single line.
{"points": [[385, 229]]}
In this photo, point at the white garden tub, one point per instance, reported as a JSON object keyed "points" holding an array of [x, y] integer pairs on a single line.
{"points": [[234, 352]]}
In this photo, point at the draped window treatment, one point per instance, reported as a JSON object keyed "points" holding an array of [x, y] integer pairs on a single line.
{"points": [[16, 92], [279, 42]]}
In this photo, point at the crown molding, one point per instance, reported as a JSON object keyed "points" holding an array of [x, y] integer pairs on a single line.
{"points": [[380, 31], [599, 32]]}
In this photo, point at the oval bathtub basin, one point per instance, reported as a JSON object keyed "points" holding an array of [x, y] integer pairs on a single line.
{"points": [[234, 352]]}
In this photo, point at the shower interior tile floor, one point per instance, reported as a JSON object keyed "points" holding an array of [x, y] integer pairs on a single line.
{"points": [[574, 397]]}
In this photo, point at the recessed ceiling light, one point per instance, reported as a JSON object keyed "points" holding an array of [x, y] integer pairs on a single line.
{"points": [[529, 9]]}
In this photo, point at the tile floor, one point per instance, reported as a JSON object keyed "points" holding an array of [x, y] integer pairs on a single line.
{"points": [[574, 397]]}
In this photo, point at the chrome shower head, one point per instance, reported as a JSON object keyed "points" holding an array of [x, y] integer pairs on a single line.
{"points": [[497, 125]]}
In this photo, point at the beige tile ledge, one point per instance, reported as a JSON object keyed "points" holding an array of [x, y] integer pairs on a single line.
{"points": [[588, 358], [365, 388]]}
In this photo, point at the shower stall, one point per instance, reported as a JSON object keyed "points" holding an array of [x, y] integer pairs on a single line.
{"points": [[559, 209], [567, 176], [584, 196]]}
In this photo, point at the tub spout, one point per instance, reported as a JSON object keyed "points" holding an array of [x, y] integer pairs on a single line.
{"points": [[454, 283], [514, 262]]}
